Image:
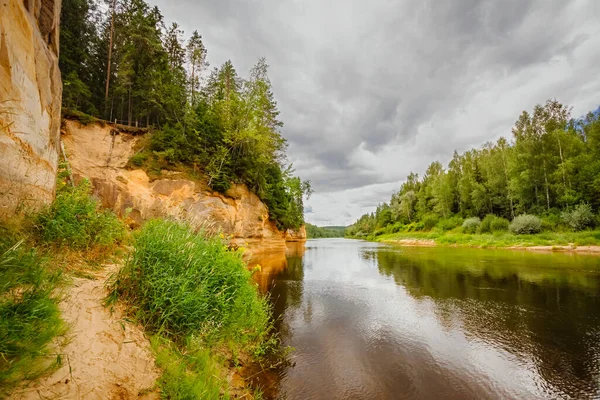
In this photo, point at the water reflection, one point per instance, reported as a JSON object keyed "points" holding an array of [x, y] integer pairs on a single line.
{"points": [[370, 321]]}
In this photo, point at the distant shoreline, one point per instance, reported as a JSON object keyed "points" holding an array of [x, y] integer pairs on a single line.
{"points": [[571, 248]]}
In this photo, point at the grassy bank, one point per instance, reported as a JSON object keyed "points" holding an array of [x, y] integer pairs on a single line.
{"points": [[197, 302], [29, 315], [194, 297], [35, 253], [495, 240]]}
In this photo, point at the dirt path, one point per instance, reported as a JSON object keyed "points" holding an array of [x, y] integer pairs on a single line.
{"points": [[104, 357]]}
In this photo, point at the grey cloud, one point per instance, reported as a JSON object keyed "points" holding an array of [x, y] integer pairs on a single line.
{"points": [[384, 73]]}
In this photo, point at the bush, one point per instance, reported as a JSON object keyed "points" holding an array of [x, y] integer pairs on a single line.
{"points": [[139, 159], [397, 227], [429, 221], [471, 225], [492, 223], [29, 314], [76, 220], [551, 222], [499, 224], [415, 226], [182, 283], [525, 224], [448, 224], [579, 218]]}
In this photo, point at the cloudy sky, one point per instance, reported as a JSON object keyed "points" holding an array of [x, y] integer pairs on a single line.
{"points": [[372, 90]]}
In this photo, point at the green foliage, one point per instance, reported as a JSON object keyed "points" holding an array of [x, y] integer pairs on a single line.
{"points": [[429, 222], [580, 218], [471, 225], [29, 315], [499, 224], [182, 283], [526, 224], [448, 224], [492, 223], [222, 125], [551, 163], [139, 159], [314, 232], [190, 374], [198, 300], [551, 222], [76, 220]]}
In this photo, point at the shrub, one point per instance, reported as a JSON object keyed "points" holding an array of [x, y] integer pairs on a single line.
{"points": [[471, 225], [525, 224], [580, 217], [397, 227], [492, 223], [76, 220], [429, 221], [551, 222], [183, 283], [415, 226], [499, 224], [448, 224], [139, 159], [29, 314]]}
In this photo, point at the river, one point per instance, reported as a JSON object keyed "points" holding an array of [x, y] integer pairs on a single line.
{"points": [[372, 321]]}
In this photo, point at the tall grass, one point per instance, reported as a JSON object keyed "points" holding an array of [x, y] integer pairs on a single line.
{"points": [[75, 220], [29, 314], [29, 276], [196, 297]]}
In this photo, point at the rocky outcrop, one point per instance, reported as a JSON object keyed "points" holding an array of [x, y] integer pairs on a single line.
{"points": [[30, 99], [101, 153]]}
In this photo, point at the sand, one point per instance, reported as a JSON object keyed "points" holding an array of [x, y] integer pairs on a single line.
{"points": [[105, 357], [592, 250]]}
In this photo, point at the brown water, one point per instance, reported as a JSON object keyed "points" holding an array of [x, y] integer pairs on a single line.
{"points": [[369, 321]]}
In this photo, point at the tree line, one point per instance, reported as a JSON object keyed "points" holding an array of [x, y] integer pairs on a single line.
{"points": [[316, 232], [121, 62], [550, 168]]}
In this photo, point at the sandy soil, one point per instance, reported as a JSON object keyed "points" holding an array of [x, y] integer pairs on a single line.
{"points": [[570, 249], [413, 242], [594, 250], [104, 356]]}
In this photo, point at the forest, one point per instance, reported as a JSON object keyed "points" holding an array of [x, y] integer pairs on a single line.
{"points": [[316, 232], [545, 178], [121, 62]]}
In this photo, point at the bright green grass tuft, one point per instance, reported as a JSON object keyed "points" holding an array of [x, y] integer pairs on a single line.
{"points": [[75, 220], [197, 298], [181, 283], [29, 314]]}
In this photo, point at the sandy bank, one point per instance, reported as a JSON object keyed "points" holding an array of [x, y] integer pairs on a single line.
{"points": [[103, 355], [571, 248]]}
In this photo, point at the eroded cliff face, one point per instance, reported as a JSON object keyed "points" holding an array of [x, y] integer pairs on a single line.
{"points": [[30, 100], [100, 153]]}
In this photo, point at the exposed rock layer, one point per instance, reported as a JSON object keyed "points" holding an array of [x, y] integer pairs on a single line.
{"points": [[101, 154], [30, 99]]}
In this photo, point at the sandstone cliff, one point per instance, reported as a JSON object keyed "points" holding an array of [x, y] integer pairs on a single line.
{"points": [[101, 153], [30, 99]]}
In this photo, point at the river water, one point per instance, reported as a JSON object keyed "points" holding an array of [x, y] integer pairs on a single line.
{"points": [[371, 321]]}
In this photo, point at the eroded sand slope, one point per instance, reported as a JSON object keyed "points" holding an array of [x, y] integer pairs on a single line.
{"points": [[105, 356]]}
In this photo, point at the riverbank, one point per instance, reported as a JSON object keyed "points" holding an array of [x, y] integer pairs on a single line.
{"points": [[88, 307], [581, 242]]}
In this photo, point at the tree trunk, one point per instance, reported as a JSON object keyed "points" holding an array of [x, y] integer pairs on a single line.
{"points": [[109, 63], [129, 113], [547, 186], [562, 164], [193, 82], [505, 168]]}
